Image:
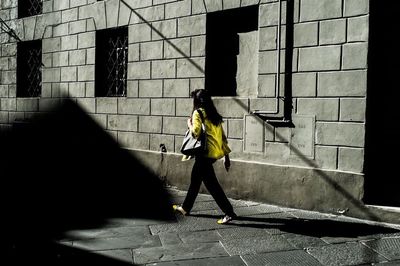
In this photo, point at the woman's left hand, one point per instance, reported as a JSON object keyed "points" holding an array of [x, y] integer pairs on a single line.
{"points": [[227, 163]]}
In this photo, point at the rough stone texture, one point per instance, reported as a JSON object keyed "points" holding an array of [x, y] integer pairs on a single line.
{"points": [[355, 56], [266, 86], [163, 107], [163, 69], [388, 247], [157, 139], [267, 38], [346, 83], [134, 140], [304, 84], [151, 50], [150, 88], [281, 258], [332, 31], [358, 29], [178, 252], [167, 60], [134, 106], [26, 104], [190, 68], [193, 25], [356, 7], [323, 109], [351, 159], [320, 9], [164, 29], [347, 134], [306, 34], [176, 88], [326, 157], [345, 254], [247, 64], [319, 58], [256, 245], [326, 190], [139, 33], [150, 124], [106, 105], [349, 113], [228, 108], [122, 122], [139, 70]]}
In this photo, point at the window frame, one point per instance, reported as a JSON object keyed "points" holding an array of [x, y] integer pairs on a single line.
{"points": [[106, 81], [26, 72]]}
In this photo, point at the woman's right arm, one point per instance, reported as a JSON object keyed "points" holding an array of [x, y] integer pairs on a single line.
{"points": [[195, 125]]}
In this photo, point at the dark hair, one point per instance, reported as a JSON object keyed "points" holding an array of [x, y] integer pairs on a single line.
{"points": [[202, 99]]}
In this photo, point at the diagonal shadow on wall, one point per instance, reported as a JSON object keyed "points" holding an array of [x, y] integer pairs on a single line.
{"points": [[357, 203], [62, 171], [287, 112]]}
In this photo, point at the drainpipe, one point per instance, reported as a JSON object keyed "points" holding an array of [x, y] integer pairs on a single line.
{"points": [[278, 69]]}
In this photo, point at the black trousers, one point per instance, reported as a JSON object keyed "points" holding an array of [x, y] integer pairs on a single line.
{"points": [[203, 171]]}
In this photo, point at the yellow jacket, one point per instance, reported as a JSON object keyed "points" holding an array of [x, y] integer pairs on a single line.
{"points": [[217, 143]]}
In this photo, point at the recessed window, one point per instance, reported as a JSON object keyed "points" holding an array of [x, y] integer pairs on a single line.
{"points": [[231, 41], [29, 63], [111, 62], [27, 8]]}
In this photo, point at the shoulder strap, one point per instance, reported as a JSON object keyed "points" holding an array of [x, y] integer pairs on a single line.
{"points": [[201, 115]]}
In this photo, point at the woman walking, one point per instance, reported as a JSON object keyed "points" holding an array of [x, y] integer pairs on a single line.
{"points": [[217, 148]]}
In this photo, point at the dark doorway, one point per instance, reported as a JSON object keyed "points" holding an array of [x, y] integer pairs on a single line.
{"points": [[382, 121], [222, 47]]}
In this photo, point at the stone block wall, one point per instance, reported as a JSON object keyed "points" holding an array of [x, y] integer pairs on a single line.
{"points": [[167, 55]]}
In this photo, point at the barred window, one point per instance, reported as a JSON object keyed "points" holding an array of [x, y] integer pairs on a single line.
{"points": [[27, 8], [111, 62], [29, 62]]}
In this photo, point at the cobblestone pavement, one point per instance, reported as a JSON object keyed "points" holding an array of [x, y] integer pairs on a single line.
{"points": [[262, 235]]}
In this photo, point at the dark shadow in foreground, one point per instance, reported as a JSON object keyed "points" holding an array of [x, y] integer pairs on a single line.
{"points": [[61, 171], [309, 227]]}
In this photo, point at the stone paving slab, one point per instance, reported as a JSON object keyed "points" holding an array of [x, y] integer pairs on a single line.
{"points": [[304, 241], [133, 221], [257, 209], [137, 231], [200, 237], [178, 252], [352, 253], [118, 243], [287, 258], [176, 238], [266, 243], [228, 261], [124, 255], [388, 247], [188, 224], [236, 233], [204, 205]]}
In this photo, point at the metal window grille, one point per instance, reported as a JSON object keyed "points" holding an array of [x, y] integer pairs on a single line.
{"points": [[111, 62], [28, 8], [117, 66], [29, 69]]}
